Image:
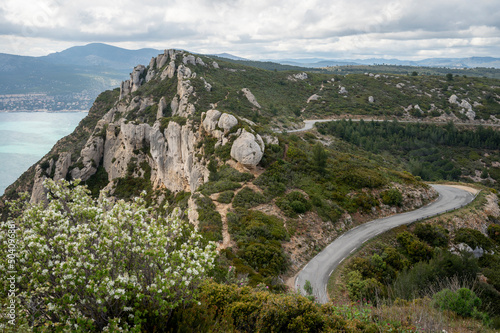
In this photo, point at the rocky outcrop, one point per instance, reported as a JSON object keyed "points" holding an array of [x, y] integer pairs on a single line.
{"points": [[169, 71], [248, 149], [38, 193], [314, 97], [162, 105], [184, 90], [371, 99], [134, 83], [251, 98], [173, 154], [151, 70], [128, 140], [466, 107], [299, 76], [189, 59], [343, 91]]}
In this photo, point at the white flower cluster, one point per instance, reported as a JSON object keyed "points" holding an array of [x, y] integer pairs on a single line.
{"points": [[93, 260]]}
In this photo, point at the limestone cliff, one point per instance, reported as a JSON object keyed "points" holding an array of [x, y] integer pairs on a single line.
{"points": [[154, 130]]}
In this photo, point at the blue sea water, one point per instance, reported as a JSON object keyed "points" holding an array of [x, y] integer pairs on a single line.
{"points": [[25, 137]]}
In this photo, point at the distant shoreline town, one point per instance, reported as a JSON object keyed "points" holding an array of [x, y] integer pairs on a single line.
{"points": [[40, 102]]}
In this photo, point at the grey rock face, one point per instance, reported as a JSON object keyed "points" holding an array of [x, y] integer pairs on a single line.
{"points": [[211, 120], [343, 91], [161, 60], [169, 71], [370, 99], [135, 78], [161, 107], [189, 59], [215, 65], [62, 165], [248, 149], [38, 193]]}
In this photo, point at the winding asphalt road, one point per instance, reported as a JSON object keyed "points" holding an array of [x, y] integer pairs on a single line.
{"points": [[309, 124], [319, 269]]}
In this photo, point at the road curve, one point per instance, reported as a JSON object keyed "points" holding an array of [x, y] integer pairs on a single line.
{"points": [[319, 269], [309, 124]]}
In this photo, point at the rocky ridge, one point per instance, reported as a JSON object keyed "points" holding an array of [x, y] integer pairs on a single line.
{"points": [[169, 150]]}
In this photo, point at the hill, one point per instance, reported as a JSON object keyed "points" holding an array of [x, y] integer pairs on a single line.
{"points": [[67, 80], [210, 136]]}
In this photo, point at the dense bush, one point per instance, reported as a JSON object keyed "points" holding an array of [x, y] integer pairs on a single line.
{"points": [[392, 197], [221, 185], [473, 238], [210, 221], [229, 308], [359, 288], [463, 301], [248, 198], [433, 235], [225, 197], [88, 263], [417, 280], [293, 203], [266, 258], [250, 226], [494, 232]]}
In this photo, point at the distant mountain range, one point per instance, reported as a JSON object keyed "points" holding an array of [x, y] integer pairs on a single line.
{"points": [[471, 62], [73, 78]]}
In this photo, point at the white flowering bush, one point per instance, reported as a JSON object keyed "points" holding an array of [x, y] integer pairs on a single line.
{"points": [[87, 263]]}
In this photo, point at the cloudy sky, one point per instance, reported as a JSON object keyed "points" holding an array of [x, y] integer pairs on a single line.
{"points": [[258, 29]]}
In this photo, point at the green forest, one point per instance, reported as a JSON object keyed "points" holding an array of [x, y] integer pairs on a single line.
{"points": [[430, 151]]}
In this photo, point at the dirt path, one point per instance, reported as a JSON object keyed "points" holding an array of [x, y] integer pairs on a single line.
{"points": [[223, 209]]}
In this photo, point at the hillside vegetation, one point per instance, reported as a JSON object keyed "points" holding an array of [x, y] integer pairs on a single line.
{"points": [[174, 134]]}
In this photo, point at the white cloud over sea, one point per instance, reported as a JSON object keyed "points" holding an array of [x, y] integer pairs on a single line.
{"points": [[258, 28]]}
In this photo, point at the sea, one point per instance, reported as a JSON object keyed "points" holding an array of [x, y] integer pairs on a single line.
{"points": [[25, 137]]}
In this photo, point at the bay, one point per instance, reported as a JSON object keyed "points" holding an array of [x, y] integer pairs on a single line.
{"points": [[25, 137]]}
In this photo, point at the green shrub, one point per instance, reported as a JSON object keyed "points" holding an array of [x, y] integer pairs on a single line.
{"points": [[364, 201], [210, 221], [225, 197], [416, 281], [221, 185], [392, 197], [463, 301], [247, 198], [359, 288], [494, 232], [234, 175], [97, 181], [293, 203], [252, 226], [268, 259], [434, 235], [473, 238]]}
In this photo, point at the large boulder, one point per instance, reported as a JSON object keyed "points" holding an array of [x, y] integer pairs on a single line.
{"points": [[227, 121], [248, 149]]}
